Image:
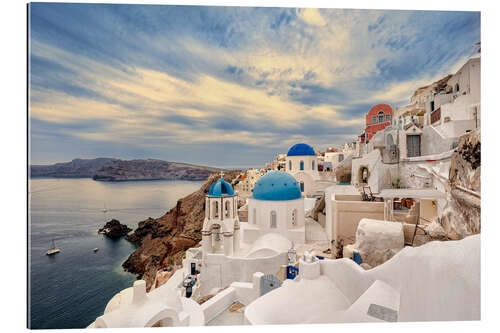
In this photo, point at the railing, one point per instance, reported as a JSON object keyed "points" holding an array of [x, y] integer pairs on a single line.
{"points": [[435, 115]]}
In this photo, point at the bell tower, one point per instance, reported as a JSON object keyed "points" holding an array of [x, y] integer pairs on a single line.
{"points": [[220, 233]]}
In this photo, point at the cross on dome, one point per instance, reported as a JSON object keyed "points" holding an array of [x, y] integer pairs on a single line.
{"points": [[222, 174]]}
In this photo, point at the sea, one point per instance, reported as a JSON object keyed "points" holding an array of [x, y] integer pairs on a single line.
{"points": [[70, 289]]}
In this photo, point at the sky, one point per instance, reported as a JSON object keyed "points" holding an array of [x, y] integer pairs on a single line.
{"points": [[224, 86]]}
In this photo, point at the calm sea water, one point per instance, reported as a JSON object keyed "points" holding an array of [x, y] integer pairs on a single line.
{"points": [[72, 288]]}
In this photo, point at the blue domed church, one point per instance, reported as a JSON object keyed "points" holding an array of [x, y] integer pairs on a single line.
{"points": [[275, 222], [302, 164], [276, 206]]}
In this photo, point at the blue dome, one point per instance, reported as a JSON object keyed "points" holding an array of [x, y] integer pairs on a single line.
{"points": [[276, 186], [220, 188], [301, 149]]}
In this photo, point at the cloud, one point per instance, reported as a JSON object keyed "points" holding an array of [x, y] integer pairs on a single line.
{"points": [[166, 80], [311, 16]]}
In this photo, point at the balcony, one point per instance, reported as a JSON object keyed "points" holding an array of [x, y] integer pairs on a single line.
{"points": [[435, 116]]}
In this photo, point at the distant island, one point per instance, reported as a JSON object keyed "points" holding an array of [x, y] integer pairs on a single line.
{"points": [[113, 169]]}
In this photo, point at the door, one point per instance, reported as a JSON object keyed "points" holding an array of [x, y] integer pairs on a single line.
{"points": [[413, 143]]}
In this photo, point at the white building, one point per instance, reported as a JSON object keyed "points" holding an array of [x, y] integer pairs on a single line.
{"points": [[162, 307], [462, 109], [434, 282], [251, 176], [334, 157], [451, 105], [424, 133], [277, 206], [276, 219], [302, 164]]}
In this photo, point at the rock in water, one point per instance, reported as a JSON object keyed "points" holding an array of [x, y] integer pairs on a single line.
{"points": [[114, 229]]}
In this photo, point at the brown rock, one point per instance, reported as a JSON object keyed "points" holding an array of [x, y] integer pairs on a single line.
{"points": [[319, 207], [463, 214], [114, 229]]}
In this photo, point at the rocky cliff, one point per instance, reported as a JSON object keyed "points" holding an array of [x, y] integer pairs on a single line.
{"points": [[150, 169], [113, 169], [77, 168], [462, 216], [461, 182], [162, 241]]}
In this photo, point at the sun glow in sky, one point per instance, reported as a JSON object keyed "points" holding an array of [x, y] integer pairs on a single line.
{"points": [[224, 86]]}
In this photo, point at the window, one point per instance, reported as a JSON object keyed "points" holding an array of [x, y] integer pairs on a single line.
{"points": [[227, 209], [457, 88], [313, 165], [380, 117], [290, 165], [301, 165], [216, 211], [274, 224], [374, 119], [387, 117], [301, 186], [432, 105], [341, 157], [294, 217]]}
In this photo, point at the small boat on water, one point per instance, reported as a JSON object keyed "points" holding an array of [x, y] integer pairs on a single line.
{"points": [[104, 210], [53, 249], [96, 249]]}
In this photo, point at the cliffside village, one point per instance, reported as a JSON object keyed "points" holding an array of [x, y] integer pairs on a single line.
{"points": [[384, 228]]}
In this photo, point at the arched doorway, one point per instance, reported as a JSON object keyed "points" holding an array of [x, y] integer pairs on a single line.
{"points": [[363, 175]]}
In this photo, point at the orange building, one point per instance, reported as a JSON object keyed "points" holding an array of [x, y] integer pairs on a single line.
{"points": [[378, 118]]}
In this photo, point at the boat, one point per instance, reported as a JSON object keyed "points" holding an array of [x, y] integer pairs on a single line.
{"points": [[104, 210], [53, 249], [96, 249]]}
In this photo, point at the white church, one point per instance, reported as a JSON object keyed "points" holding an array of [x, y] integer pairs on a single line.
{"points": [[220, 233], [302, 164], [234, 250]]}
